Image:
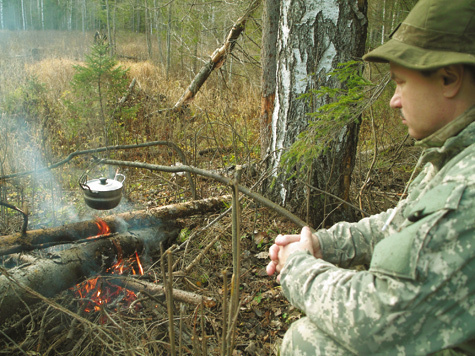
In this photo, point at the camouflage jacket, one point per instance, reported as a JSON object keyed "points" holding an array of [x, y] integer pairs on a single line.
{"points": [[417, 296]]}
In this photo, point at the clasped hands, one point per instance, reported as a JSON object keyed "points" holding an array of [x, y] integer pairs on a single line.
{"points": [[284, 245]]}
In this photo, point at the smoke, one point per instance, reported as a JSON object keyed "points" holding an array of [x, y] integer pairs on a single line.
{"points": [[52, 197], [40, 192]]}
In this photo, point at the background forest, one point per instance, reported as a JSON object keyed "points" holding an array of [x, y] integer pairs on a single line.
{"points": [[79, 75], [49, 110]]}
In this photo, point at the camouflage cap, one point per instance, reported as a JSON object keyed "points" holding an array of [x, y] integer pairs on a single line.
{"points": [[436, 33]]}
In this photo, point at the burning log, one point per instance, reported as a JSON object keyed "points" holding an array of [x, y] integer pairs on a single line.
{"points": [[65, 269], [35, 239]]}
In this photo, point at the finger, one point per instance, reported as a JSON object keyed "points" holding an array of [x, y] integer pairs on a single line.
{"points": [[283, 240], [311, 242], [305, 234], [270, 269], [274, 252], [306, 238]]}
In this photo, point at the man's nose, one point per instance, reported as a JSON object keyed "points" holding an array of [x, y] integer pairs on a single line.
{"points": [[395, 101]]}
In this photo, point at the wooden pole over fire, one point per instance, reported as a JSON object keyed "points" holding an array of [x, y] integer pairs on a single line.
{"points": [[70, 233]]}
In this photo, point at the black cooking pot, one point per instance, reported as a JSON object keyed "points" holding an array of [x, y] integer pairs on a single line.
{"points": [[103, 193]]}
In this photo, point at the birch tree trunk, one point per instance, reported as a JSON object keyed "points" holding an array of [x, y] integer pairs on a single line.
{"points": [[169, 35], [383, 22], [314, 36], [70, 16], [158, 30], [109, 30], [23, 14], [148, 29], [2, 26], [83, 17]]}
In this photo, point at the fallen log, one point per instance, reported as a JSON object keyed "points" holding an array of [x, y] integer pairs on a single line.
{"points": [[65, 269], [70, 233]]}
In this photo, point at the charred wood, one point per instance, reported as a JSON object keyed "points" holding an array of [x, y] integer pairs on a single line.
{"points": [[71, 233]]}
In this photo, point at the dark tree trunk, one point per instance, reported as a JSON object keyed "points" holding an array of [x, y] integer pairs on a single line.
{"points": [[314, 36], [270, 29]]}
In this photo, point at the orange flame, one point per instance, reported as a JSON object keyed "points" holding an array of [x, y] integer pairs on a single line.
{"points": [[97, 292], [103, 227], [138, 263]]}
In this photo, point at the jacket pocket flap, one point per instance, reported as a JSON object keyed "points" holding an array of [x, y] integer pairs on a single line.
{"points": [[397, 254], [444, 196]]}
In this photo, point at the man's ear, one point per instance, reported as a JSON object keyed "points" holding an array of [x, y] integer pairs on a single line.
{"points": [[452, 76]]}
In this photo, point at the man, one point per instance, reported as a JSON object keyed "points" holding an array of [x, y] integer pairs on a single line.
{"points": [[418, 296]]}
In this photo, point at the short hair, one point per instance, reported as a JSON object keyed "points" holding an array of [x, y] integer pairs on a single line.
{"points": [[471, 69]]}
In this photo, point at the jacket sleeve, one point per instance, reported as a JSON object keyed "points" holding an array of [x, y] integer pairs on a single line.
{"points": [[417, 296], [351, 244]]}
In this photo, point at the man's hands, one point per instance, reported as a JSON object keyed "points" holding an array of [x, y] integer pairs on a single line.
{"points": [[286, 244]]}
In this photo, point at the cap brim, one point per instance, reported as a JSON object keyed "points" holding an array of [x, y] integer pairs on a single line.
{"points": [[416, 58]]}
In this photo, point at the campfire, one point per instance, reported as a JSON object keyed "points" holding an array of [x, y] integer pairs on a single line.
{"points": [[112, 290], [99, 272], [97, 292]]}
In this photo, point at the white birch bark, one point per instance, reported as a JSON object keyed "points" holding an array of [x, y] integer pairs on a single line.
{"points": [[42, 11], [383, 22], [23, 14], [70, 15], [169, 34], [158, 29], [2, 26], [314, 36]]}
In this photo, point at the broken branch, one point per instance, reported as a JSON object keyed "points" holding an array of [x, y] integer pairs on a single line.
{"points": [[183, 168], [218, 57], [25, 216], [110, 148]]}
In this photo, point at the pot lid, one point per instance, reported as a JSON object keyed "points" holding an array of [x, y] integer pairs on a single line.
{"points": [[103, 184]]}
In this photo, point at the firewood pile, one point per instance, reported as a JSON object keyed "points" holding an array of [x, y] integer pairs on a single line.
{"points": [[111, 287]]}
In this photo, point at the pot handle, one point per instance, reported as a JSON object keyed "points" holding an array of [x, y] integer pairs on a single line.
{"points": [[83, 178], [118, 174], [84, 186], [82, 182]]}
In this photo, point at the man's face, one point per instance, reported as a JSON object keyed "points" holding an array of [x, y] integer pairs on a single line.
{"points": [[420, 100]]}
